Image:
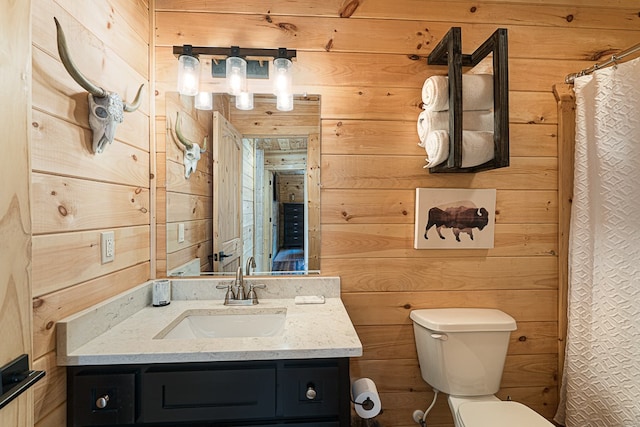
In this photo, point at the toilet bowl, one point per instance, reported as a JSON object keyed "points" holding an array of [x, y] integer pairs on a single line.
{"points": [[489, 411], [462, 352]]}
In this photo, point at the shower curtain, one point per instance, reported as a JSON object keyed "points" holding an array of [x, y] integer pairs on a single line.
{"points": [[601, 381]]}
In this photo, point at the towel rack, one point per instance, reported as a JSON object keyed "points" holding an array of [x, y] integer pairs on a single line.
{"points": [[449, 52], [16, 379]]}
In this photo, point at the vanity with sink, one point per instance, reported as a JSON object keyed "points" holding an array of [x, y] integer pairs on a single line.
{"points": [[198, 362]]}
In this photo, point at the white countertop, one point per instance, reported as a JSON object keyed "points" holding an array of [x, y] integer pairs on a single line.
{"points": [[123, 330]]}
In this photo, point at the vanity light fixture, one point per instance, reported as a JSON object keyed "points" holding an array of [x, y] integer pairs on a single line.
{"points": [[239, 64], [204, 101], [188, 71]]}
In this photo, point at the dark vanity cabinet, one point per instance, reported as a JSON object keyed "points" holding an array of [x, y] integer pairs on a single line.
{"points": [[295, 393], [293, 225]]}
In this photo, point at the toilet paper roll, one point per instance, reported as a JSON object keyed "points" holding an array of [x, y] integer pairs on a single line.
{"points": [[365, 394]]}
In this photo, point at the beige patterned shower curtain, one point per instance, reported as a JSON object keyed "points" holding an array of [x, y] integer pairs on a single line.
{"points": [[601, 379]]}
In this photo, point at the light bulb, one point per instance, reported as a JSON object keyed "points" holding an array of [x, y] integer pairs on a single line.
{"points": [[284, 102], [204, 101], [244, 101], [236, 75], [188, 75], [282, 79]]}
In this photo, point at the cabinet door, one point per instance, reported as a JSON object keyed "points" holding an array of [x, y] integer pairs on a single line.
{"points": [[209, 395], [310, 391], [101, 399]]}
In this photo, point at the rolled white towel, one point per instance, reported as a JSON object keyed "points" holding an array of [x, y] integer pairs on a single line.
{"points": [[435, 93], [437, 147], [477, 148], [429, 121], [481, 120], [477, 92]]}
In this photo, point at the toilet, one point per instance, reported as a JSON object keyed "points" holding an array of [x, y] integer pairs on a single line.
{"points": [[462, 352]]}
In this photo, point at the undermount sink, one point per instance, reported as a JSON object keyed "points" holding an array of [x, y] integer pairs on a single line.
{"points": [[226, 324]]}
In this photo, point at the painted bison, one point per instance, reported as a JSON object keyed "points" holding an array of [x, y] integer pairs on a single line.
{"points": [[459, 219]]}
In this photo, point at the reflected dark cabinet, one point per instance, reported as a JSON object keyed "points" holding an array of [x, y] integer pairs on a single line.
{"points": [[309, 392], [293, 225]]}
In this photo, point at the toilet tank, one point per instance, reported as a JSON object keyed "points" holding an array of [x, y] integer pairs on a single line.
{"points": [[462, 350]]}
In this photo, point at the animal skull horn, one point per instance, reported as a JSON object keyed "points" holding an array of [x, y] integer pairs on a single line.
{"points": [[192, 150], [105, 108]]}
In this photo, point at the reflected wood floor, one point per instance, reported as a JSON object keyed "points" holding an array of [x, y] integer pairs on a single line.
{"points": [[289, 260]]}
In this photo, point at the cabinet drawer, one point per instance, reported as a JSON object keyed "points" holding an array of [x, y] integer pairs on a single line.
{"points": [[293, 208], [102, 399], [310, 391], [293, 217], [207, 395]]}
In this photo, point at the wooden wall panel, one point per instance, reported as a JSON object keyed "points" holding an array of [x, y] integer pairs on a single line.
{"points": [[371, 206], [446, 273], [55, 150], [528, 13], [69, 204], [385, 137], [367, 60], [389, 172], [415, 37], [78, 194], [15, 211], [66, 259]]}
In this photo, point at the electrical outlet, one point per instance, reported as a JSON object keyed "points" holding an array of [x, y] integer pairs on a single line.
{"points": [[107, 246], [181, 232]]}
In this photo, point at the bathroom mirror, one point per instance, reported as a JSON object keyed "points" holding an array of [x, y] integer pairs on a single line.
{"points": [[274, 203]]}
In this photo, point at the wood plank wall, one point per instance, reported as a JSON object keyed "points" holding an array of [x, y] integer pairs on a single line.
{"points": [[15, 218], [76, 194], [367, 61]]}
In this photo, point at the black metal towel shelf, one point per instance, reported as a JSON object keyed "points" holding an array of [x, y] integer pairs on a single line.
{"points": [[16, 378], [449, 52]]}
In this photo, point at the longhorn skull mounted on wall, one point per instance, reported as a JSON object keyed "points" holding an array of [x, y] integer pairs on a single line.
{"points": [[106, 109], [192, 150]]}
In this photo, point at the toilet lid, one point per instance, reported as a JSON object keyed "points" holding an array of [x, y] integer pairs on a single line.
{"points": [[500, 414]]}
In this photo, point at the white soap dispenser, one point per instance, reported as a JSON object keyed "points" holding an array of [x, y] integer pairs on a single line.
{"points": [[161, 292]]}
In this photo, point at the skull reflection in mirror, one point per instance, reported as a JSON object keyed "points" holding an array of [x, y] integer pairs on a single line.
{"points": [[106, 109], [192, 150]]}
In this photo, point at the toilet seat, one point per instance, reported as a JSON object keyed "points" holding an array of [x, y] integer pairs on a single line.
{"points": [[499, 414]]}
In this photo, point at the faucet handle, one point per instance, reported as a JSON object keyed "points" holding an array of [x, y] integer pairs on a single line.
{"points": [[252, 294], [229, 295]]}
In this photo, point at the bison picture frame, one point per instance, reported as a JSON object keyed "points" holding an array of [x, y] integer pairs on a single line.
{"points": [[454, 218]]}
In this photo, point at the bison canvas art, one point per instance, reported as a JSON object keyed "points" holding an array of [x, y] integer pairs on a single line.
{"points": [[451, 218]]}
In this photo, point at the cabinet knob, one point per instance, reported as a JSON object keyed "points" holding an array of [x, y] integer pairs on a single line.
{"points": [[102, 401], [311, 393]]}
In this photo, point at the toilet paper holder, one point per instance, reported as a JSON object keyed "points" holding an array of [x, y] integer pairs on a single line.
{"points": [[367, 404], [365, 398]]}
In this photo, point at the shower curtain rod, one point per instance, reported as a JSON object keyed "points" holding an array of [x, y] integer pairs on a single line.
{"points": [[613, 60]]}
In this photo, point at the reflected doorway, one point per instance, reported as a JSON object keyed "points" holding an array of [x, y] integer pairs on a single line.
{"points": [[280, 196]]}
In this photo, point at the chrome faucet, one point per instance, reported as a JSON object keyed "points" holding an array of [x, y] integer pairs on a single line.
{"points": [[237, 296], [251, 263]]}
